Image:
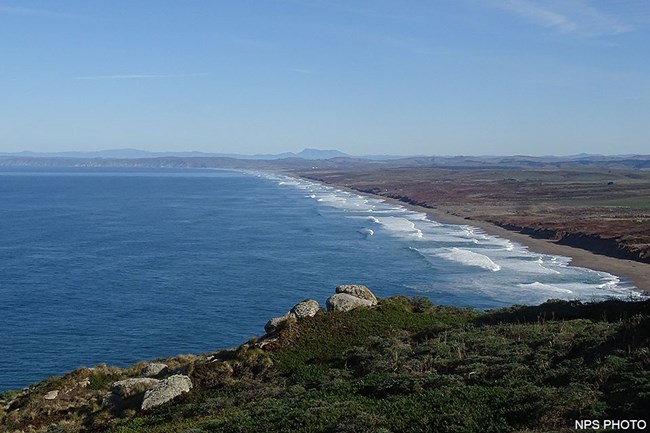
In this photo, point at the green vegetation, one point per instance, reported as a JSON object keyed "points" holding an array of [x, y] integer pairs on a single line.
{"points": [[406, 366]]}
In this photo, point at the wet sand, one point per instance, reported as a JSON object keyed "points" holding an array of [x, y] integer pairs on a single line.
{"points": [[636, 272]]}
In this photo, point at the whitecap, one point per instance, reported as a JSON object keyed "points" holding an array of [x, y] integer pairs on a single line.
{"points": [[469, 258], [537, 286], [400, 226], [367, 232], [611, 282]]}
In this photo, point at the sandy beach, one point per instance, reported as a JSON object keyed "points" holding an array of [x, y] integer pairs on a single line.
{"points": [[636, 272]]}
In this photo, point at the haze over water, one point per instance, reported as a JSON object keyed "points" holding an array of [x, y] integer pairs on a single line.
{"points": [[120, 266]]}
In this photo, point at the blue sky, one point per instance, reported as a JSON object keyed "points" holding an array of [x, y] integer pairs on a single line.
{"points": [[437, 77]]}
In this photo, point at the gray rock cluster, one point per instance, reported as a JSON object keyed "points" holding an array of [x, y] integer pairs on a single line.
{"points": [[351, 296], [306, 308], [152, 392], [347, 297]]}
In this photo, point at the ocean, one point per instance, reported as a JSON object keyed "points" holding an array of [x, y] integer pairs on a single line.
{"points": [[124, 265]]}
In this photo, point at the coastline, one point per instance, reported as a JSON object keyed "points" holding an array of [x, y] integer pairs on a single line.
{"points": [[636, 272]]}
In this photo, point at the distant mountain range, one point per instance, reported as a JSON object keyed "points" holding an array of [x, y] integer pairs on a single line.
{"points": [[138, 154], [315, 158]]}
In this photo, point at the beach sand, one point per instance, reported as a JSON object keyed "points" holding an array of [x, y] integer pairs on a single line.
{"points": [[636, 272]]}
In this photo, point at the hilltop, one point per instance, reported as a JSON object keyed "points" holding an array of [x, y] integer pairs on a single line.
{"points": [[400, 365]]}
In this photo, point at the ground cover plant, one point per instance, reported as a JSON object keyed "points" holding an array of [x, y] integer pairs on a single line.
{"points": [[403, 366]]}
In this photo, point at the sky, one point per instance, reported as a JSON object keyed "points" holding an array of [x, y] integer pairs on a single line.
{"points": [[400, 77]]}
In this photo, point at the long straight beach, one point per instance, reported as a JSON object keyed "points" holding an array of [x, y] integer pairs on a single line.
{"points": [[638, 273], [635, 275]]}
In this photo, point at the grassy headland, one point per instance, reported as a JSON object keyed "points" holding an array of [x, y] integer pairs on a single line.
{"points": [[402, 366]]}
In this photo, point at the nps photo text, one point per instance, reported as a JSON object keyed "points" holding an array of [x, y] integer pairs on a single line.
{"points": [[609, 424]]}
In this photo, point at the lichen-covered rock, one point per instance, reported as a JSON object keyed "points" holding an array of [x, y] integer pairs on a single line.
{"points": [[358, 291], [51, 395], [166, 390], [153, 369], [273, 324], [130, 387], [345, 302], [306, 308]]}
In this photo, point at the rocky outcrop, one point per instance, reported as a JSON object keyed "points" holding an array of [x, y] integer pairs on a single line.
{"points": [[153, 369], [166, 390], [344, 302], [129, 387], [275, 323], [358, 291], [351, 296], [302, 310], [307, 308]]}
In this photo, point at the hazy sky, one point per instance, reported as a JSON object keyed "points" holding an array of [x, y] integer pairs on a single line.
{"points": [[437, 77]]}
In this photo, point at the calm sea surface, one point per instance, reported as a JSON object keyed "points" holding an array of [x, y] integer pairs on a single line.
{"points": [[120, 266]]}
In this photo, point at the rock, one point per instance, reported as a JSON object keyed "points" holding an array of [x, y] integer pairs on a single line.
{"points": [[359, 291], [273, 324], [111, 399], [306, 308], [153, 369], [51, 395], [345, 302], [84, 383], [130, 387], [166, 390]]}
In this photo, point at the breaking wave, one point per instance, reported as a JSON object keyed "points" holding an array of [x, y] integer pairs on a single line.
{"points": [[470, 258]]}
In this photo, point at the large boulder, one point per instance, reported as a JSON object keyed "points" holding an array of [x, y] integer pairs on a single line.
{"points": [[153, 369], [345, 302], [130, 387], [358, 291], [166, 390], [306, 308], [275, 323]]}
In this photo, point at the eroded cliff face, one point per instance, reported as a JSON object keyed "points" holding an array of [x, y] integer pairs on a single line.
{"points": [[612, 247]]}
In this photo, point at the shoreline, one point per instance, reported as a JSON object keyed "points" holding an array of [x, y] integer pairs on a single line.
{"points": [[636, 272]]}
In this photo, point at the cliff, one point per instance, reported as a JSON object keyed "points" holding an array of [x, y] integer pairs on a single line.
{"points": [[402, 365], [597, 244]]}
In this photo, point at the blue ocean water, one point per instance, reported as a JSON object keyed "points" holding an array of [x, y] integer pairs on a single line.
{"points": [[118, 266]]}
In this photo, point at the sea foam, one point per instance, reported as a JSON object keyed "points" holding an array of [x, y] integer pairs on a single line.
{"points": [[469, 258]]}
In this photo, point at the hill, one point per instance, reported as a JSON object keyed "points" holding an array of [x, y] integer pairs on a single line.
{"points": [[404, 365]]}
